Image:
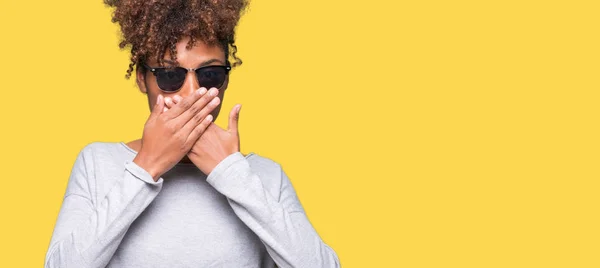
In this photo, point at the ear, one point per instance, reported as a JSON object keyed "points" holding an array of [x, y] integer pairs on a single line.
{"points": [[140, 78]]}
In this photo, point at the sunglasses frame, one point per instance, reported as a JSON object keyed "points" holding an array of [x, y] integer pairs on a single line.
{"points": [[154, 69]]}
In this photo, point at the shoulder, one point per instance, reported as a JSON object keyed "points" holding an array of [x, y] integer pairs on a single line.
{"points": [[97, 152], [262, 163], [276, 180], [105, 153], [100, 147], [268, 170], [103, 160], [86, 157]]}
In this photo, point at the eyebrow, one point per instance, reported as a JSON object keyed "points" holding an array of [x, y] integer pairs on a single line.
{"points": [[208, 62]]}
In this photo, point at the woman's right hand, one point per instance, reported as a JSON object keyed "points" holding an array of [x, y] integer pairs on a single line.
{"points": [[169, 135]]}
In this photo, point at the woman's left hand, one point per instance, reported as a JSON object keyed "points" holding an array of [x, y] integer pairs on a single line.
{"points": [[215, 144]]}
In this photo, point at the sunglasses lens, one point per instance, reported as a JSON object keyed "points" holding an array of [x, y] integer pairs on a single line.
{"points": [[211, 76], [170, 79]]}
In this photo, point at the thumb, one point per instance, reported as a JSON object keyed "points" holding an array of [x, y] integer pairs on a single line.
{"points": [[158, 106], [234, 117]]}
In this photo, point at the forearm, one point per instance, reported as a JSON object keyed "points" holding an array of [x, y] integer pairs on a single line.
{"points": [[284, 229]]}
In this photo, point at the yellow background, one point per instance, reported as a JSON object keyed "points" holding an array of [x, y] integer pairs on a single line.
{"points": [[417, 133]]}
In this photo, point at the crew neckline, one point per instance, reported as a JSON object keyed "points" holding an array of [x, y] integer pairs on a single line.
{"points": [[135, 153]]}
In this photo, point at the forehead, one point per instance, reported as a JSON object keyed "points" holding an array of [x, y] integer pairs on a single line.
{"points": [[198, 54]]}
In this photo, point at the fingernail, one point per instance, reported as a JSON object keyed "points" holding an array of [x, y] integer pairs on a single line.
{"points": [[201, 91], [213, 91]]}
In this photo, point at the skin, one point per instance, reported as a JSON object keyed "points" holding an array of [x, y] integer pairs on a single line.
{"points": [[215, 143]]}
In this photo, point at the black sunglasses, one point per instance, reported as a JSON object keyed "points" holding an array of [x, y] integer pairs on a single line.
{"points": [[170, 79]]}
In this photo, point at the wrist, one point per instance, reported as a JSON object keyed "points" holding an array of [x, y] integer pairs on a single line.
{"points": [[144, 162]]}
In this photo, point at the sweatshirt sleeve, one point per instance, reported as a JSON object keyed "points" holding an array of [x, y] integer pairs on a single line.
{"points": [[280, 222], [87, 233]]}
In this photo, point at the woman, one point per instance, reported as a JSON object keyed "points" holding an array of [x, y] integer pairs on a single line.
{"points": [[183, 195]]}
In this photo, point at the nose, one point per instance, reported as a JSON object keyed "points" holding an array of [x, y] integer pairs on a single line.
{"points": [[189, 85]]}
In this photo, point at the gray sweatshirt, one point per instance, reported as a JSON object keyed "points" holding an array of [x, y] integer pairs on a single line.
{"points": [[245, 213]]}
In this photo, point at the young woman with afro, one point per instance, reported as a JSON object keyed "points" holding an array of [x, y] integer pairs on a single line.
{"points": [[183, 195]]}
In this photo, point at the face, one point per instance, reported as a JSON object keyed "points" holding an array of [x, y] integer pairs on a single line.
{"points": [[198, 56]]}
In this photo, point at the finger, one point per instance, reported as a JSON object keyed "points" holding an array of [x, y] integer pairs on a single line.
{"points": [[168, 102], [185, 104], [209, 100], [234, 118], [165, 109], [177, 99], [158, 106], [199, 130], [198, 117]]}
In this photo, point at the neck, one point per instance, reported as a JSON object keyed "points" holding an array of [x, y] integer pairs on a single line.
{"points": [[186, 159], [136, 145]]}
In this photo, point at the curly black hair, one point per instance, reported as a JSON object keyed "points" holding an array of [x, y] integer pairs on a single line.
{"points": [[150, 27]]}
